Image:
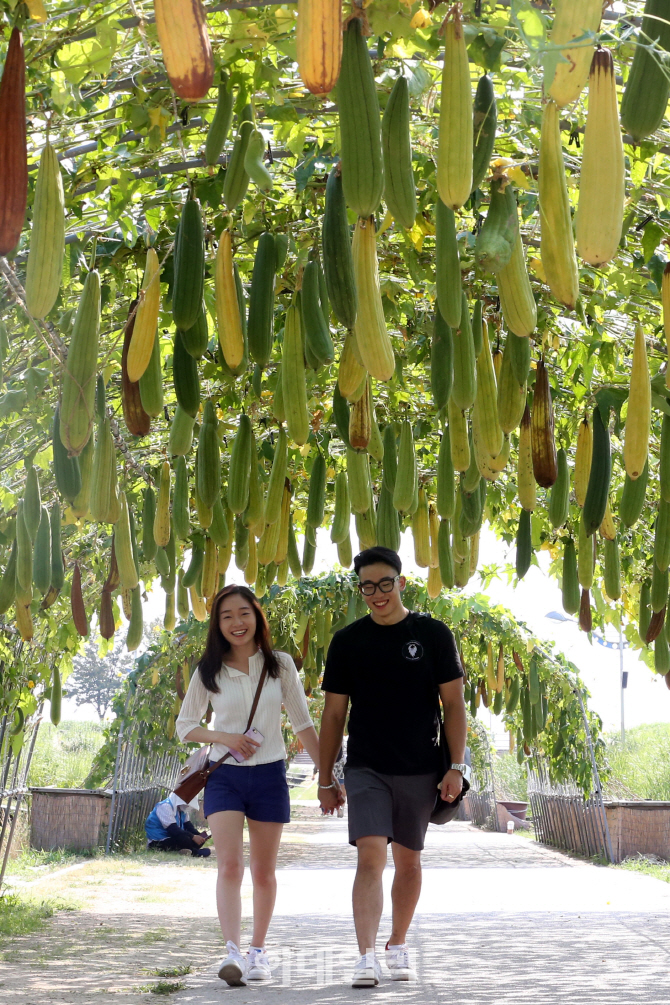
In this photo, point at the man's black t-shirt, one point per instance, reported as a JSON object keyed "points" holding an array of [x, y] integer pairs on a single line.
{"points": [[391, 673]]}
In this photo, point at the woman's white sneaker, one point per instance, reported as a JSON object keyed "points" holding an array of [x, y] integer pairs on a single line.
{"points": [[367, 972], [258, 965], [233, 967], [397, 960]]}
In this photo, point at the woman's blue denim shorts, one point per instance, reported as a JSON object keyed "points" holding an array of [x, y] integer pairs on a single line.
{"points": [[259, 791]]}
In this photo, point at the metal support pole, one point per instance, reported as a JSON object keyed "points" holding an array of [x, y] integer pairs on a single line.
{"points": [[3, 729], [489, 766], [623, 730], [116, 776], [596, 778], [19, 798]]}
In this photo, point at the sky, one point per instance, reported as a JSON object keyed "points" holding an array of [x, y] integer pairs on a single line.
{"points": [[646, 699]]}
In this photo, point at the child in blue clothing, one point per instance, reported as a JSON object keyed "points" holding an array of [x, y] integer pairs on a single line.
{"points": [[168, 827]]}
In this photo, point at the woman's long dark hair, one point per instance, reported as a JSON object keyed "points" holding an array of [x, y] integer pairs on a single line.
{"points": [[218, 646]]}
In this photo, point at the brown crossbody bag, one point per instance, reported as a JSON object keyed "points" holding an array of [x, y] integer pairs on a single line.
{"points": [[197, 769]]}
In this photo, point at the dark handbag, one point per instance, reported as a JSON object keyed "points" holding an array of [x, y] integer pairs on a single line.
{"points": [[444, 811], [197, 769]]}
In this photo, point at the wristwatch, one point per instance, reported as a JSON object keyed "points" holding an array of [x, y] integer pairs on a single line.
{"points": [[464, 770]]}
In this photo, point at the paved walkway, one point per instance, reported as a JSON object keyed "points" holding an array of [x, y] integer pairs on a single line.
{"points": [[500, 920]]}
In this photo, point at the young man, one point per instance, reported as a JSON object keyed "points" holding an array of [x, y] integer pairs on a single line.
{"points": [[391, 665]]}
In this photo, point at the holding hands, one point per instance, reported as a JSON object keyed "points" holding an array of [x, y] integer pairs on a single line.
{"points": [[332, 798]]}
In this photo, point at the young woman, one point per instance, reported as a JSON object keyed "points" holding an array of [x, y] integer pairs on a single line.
{"points": [[238, 646]]}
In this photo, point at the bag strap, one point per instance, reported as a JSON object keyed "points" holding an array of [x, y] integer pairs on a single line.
{"points": [[252, 713], [257, 696]]}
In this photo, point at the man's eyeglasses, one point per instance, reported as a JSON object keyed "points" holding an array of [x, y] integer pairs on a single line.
{"points": [[385, 586]]}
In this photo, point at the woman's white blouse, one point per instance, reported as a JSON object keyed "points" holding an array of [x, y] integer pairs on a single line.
{"points": [[232, 706]]}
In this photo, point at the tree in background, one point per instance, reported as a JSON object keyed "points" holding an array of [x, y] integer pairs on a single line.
{"points": [[95, 680], [97, 677]]}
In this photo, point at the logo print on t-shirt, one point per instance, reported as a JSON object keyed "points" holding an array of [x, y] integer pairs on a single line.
{"points": [[412, 650]]}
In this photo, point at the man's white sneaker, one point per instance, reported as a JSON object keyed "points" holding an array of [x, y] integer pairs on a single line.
{"points": [[397, 960], [233, 967], [258, 965], [367, 972]]}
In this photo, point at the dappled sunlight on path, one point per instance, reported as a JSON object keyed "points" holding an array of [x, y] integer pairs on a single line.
{"points": [[501, 920]]}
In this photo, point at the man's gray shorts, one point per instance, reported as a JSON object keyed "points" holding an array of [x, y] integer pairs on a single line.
{"points": [[397, 807]]}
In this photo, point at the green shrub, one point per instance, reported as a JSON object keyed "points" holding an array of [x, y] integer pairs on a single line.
{"points": [[63, 755], [511, 780], [642, 764]]}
